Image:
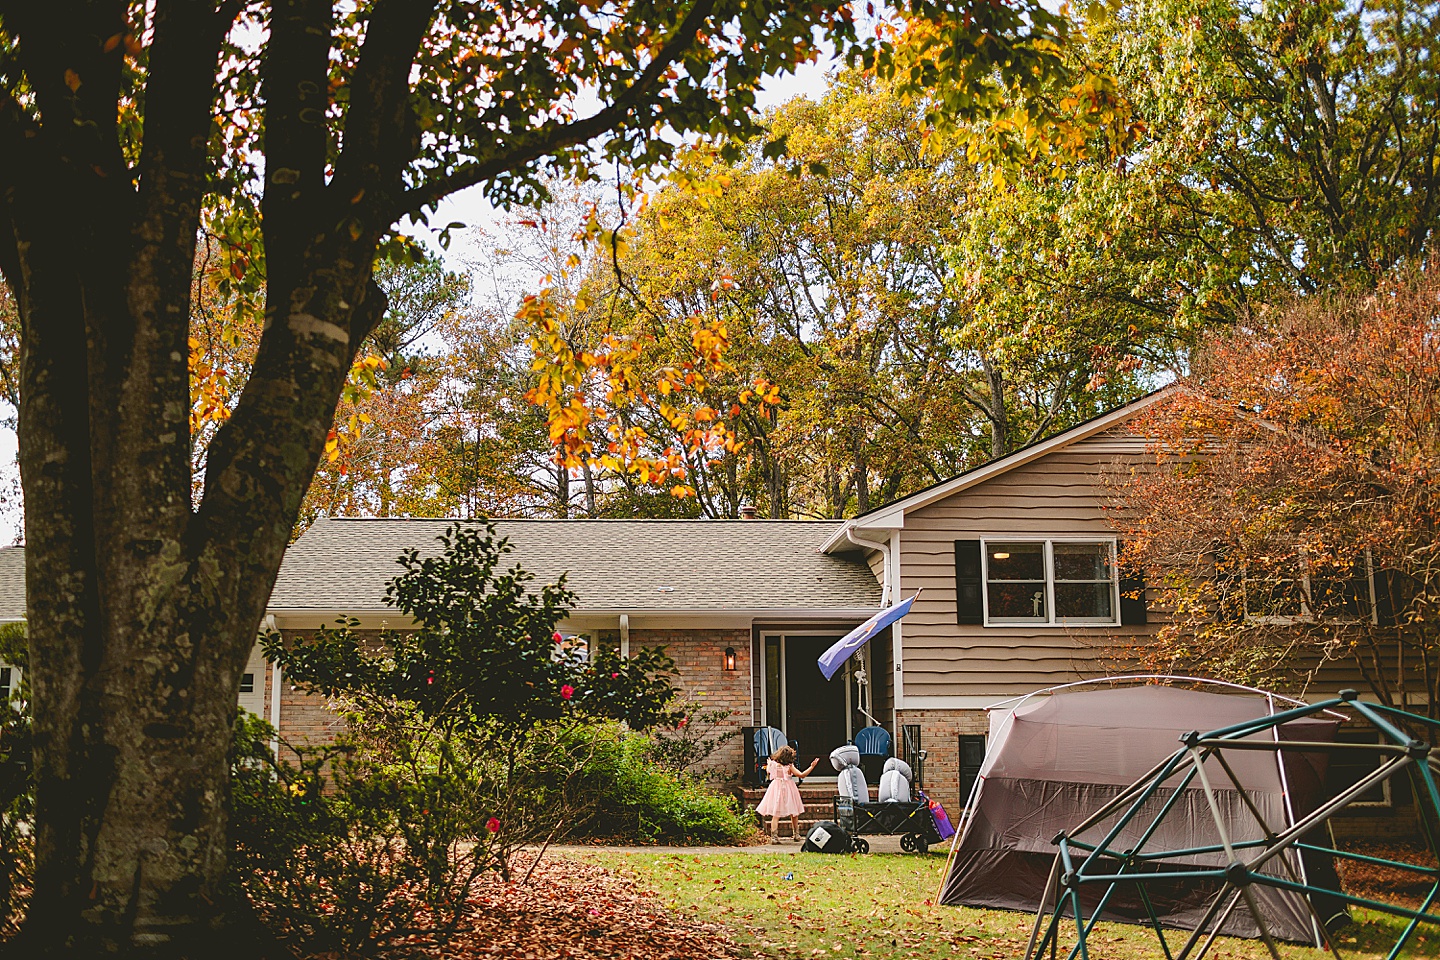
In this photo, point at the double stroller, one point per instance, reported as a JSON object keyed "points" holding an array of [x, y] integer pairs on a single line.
{"points": [[894, 811]]}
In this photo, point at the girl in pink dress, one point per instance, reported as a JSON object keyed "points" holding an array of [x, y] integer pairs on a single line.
{"points": [[782, 797]]}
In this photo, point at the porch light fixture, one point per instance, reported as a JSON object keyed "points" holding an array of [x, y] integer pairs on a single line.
{"points": [[729, 658], [1001, 556]]}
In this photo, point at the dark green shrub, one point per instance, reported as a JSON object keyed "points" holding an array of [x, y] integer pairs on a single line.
{"points": [[465, 743], [636, 799], [342, 852]]}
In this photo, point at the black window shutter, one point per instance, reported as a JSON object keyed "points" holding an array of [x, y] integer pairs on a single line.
{"points": [[1394, 592], [972, 758], [969, 602], [1133, 609], [1384, 598]]}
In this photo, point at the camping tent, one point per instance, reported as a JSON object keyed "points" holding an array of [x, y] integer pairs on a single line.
{"points": [[1053, 760]]}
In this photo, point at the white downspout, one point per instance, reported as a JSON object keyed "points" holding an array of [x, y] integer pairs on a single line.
{"points": [[624, 636], [885, 595]]}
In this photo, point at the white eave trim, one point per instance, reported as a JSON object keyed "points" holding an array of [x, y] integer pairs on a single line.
{"points": [[365, 614], [893, 516]]}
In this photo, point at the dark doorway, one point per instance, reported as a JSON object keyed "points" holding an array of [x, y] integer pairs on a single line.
{"points": [[815, 707]]}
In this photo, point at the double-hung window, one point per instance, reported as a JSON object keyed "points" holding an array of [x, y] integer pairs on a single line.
{"points": [[9, 682], [1050, 582], [1297, 589]]}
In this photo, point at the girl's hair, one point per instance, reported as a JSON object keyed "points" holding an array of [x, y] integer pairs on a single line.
{"points": [[785, 754]]}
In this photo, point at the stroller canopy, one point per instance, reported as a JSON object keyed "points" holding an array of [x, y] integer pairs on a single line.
{"points": [[1054, 760]]}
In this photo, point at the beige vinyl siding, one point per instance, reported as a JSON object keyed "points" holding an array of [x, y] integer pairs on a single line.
{"points": [[1059, 495]]}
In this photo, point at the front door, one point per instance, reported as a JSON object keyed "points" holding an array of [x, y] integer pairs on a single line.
{"points": [[813, 712]]}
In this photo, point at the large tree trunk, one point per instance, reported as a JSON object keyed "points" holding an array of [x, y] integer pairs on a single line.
{"points": [[142, 610]]}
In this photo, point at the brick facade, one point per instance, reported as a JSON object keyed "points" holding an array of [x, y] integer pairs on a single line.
{"points": [[706, 685], [307, 717], [940, 732], [703, 682]]}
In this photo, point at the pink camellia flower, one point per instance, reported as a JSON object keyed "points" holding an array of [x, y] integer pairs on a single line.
{"points": [[556, 636], [614, 676], [566, 692], [682, 722], [493, 825]]}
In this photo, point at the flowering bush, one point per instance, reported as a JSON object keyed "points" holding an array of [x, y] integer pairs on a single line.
{"points": [[468, 739], [483, 656]]}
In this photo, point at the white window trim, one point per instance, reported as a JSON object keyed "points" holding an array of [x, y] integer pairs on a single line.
{"points": [[1051, 621], [14, 681], [1306, 614]]}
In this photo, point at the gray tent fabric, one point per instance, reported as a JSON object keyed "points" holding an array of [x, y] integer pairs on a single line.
{"points": [[1056, 759]]}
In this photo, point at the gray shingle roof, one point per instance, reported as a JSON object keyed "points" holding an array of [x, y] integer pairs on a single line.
{"points": [[706, 565], [710, 565], [12, 584]]}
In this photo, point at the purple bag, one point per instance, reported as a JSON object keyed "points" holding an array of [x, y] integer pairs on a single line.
{"points": [[941, 818]]}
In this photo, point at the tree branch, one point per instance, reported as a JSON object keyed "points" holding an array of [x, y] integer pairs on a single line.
{"points": [[531, 145], [295, 87], [379, 135]]}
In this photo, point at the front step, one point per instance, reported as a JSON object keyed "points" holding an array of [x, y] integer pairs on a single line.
{"points": [[819, 802]]}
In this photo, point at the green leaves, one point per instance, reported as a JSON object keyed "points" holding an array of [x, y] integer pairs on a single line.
{"points": [[484, 654]]}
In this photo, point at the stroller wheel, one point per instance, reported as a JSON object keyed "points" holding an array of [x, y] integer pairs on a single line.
{"points": [[907, 843], [922, 845], [860, 845]]}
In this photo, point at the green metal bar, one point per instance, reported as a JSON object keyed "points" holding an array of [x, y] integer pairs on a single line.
{"points": [[1297, 746], [1193, 851], [1381, 723], [1216, 874], [1366, 858], [1390, 908], [1050, 885], [1394, 711], [1079, 926], [1074, 894], [1155, 921], [1146, 794], [1414, 923], [1248, 727]]}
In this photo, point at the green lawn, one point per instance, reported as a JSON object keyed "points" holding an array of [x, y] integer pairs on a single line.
{"points": [[812, 905]]}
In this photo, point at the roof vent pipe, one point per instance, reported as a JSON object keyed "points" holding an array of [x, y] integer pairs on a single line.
{"points": [[748, 511]]}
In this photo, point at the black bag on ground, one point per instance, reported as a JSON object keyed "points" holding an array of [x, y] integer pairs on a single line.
{"points": [[827, 836]]}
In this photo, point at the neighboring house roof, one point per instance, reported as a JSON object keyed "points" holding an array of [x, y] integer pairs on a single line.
{"points": [[891, 516], [12, 584], [614, 566]]}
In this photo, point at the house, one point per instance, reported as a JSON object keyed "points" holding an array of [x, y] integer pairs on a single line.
{"points": [[1014, 562]]}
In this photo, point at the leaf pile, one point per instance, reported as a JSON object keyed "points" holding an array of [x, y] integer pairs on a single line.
{"points": [[577, 910], [1387, 884]]}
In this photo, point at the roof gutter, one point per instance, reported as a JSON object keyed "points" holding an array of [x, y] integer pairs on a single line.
{"points": [[884, 549]]}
